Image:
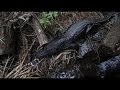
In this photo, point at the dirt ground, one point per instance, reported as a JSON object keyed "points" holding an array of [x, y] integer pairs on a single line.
{"points": [[18, 42]]}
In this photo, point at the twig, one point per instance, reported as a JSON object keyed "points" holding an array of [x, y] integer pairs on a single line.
{"points": [[19, 67], [5, 66]]}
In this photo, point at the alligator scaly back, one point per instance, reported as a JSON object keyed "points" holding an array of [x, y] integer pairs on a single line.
{"points": [[57, 45]]}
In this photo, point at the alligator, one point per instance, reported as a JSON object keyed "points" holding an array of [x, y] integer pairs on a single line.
{"points": [[95, 40], [68, 38], [110, 67]]}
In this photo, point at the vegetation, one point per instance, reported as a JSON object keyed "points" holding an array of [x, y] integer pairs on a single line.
{"points": [[46, 17]]}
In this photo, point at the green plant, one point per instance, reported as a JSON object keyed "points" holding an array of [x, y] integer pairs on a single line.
{"points": [[46, 17]]}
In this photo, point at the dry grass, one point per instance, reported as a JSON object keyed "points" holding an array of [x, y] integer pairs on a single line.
{"points": [[23, 67]]}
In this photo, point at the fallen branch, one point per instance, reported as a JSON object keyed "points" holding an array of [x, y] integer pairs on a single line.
{"points": [[39, 31]]}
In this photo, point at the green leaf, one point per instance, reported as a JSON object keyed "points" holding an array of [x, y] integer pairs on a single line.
{"points": [[55, 14], [46, 17]]}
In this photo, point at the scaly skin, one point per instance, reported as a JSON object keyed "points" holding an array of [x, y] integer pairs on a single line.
{"points": [[66, 40], [109, 66]]}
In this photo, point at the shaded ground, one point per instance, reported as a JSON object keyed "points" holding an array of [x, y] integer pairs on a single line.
{"points": [[67, 64]]}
